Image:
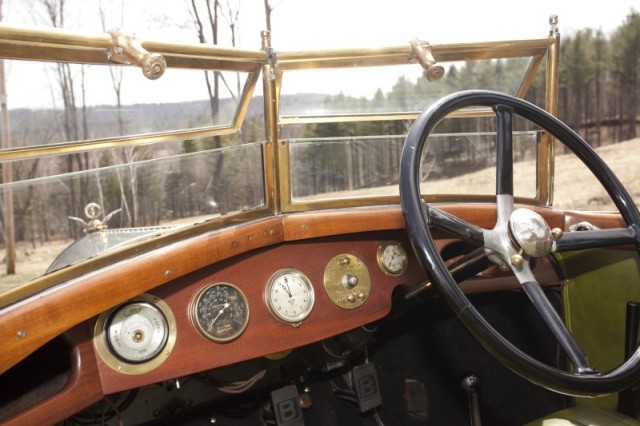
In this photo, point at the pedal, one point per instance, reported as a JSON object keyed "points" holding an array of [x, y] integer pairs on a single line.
{"points": [[415, 396], [286, 406], [365, 381]]}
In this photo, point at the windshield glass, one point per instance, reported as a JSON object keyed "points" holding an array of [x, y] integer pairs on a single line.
{"points": [[112, 101], [153, 189], [390, 89]]}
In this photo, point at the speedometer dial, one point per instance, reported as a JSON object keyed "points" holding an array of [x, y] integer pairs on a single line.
{"points": [[220, 312], [289, 296]]}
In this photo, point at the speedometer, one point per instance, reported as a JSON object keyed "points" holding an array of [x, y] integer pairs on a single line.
{"points": [[220, 312]]}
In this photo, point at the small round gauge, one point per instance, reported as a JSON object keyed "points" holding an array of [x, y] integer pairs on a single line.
{"points": [[220, 312], [136, 332], [289, 296], [392, 258]]}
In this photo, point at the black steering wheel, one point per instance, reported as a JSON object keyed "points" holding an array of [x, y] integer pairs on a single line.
{"points": [[518, 236]]}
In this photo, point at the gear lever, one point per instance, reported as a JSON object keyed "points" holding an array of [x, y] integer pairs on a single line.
{"points": [[471, 385]]}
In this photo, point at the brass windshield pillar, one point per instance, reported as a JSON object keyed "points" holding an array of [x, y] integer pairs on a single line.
{"points": [[546, 164], [271, 165]]}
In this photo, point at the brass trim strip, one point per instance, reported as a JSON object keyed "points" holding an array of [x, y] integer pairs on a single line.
{"points": [[270, 99], [64, 148], [396, 55], [411, 115], [546, 163], [64, 46], [529, 76], [341, 203]]}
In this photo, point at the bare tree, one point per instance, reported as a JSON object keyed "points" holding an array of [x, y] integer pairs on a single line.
{"points": [[55, 14], [269, 6], [115, 71]]}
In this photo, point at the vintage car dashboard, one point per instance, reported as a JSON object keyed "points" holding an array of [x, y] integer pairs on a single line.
{"points": [[328, 274], [259, 304]]}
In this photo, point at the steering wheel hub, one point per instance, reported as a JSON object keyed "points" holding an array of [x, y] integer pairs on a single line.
{"points": [[530, 232]]}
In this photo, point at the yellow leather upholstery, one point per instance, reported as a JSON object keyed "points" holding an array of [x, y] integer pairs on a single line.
{"points": [[585, 416]]}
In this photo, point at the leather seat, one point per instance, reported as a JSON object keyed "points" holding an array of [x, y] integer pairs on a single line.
{"points": [[585, 416]]}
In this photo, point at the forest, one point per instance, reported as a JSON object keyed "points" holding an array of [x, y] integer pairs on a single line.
{"points": [[598, 97], [151, 185]]}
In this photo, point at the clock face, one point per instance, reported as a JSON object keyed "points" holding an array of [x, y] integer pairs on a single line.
{"points": [[392, 258], [289, 296]]}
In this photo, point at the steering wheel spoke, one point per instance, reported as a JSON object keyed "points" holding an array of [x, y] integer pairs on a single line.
{"points": [[554, 322], [455, 226], [504, 147], [580, 240]]}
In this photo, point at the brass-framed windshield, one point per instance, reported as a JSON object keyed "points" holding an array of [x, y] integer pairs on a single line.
{"points": [[273, 142]]}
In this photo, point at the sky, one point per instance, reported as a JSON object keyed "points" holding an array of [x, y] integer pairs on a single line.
{"points": [[313, 24]]}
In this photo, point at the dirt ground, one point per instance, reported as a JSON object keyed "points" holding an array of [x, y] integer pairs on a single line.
{"points": [[575, 189], [31, 262]]}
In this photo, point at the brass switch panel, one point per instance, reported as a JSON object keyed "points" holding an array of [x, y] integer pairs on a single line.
{"points": [[347, 281]]}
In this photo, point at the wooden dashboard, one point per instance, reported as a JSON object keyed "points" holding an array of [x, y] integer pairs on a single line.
{"points": [[245, 256]]}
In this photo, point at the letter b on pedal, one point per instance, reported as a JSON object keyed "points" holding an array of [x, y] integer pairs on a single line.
{"points": [[286, 406]]}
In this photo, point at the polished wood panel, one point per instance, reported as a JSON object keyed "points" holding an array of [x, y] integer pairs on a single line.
{"points": [[82, 390], [265, 334], [29, 324]]}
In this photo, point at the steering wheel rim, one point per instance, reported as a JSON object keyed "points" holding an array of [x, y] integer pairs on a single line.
{"points": [[419, 216]]}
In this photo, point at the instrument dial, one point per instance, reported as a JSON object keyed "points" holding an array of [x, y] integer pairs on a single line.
{"points": [[392, 258], [136, 336], [137, 332], [289, 296], [220, 312]]}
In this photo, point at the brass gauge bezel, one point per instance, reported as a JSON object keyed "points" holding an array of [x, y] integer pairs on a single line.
{"points": [[195, 317], [271, 290], [116, 363], [384, 265]]}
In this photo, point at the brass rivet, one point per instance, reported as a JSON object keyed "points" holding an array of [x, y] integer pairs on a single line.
{"points": [[517, 260], [556, 233], [21, 333]]}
